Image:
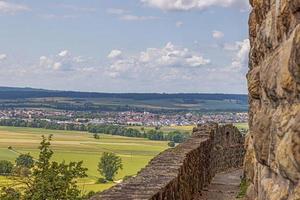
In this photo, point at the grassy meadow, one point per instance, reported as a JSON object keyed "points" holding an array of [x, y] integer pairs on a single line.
{"points": [[244, 126], [188, 128], [77, 146]]}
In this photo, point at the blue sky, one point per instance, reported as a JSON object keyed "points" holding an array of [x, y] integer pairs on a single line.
{"points": [[125, 45]]}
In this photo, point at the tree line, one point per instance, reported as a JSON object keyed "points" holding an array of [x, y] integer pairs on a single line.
{"points": [[21, 93], [153, 134]]}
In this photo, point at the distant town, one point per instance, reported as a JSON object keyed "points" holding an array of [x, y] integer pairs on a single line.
{"points": [[122, 118]]}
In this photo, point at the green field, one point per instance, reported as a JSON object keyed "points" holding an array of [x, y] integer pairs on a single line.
{"points": [[188, 128], [77, 146], [152, 102], [244, 126]]}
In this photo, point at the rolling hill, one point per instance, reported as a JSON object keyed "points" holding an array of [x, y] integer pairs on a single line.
{"points": [[11, 97]]}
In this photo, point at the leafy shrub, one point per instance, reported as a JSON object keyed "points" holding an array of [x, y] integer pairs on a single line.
{"points": [[171, 144], [53, 180], [6, 167], [243, 188], [96, 136], [101, 180], [9, 194], [21, 171], [25, 160]]}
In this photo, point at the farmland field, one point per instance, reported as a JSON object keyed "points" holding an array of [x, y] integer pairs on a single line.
{"points": [[188, 128], [244, 126], [155, 102], [77, 146]]}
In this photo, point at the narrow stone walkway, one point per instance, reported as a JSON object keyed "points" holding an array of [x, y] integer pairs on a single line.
{"points": [[224, 186]]}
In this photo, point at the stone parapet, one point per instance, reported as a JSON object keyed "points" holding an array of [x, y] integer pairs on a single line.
{"points": [[181, 173]]}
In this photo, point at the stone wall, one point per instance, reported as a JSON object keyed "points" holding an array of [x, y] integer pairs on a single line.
{"points": [[181, 173], [273, 157]]}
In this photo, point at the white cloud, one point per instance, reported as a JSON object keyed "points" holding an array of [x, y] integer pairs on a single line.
{"points": [[63, 61], [55, 16], [185, 5], [179, 24], [114, 54], [77, 8], [196, 61], [127, 16], [169, 68], [3, 57], [116, 11], [72, 12], [46, 62], [12, 8], [172, 56], [57, 66], [64, 53], [155, 59], [231, 47], [43, 58], [137, 18], [217, 34], [173, 68], [79, 59], [240, 60]]}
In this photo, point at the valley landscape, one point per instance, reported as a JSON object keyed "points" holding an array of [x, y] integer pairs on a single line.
{"points": [[91, 101], [150, 100], [81, 146], [71, 144], [143, 99]]}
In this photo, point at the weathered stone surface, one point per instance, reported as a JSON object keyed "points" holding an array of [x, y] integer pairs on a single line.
{"points": [[224, 186], [182, 172], [272, 161]]}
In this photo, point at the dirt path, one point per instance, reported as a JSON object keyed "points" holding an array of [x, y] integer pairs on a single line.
{"points": [[225, 186]]}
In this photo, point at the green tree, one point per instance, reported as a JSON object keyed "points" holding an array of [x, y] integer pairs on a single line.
{"points": [[6, 167], [21, 171], [9, 194], [25, 160], [52, 180], [96, 136], [171, 144], [109, 165]]}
